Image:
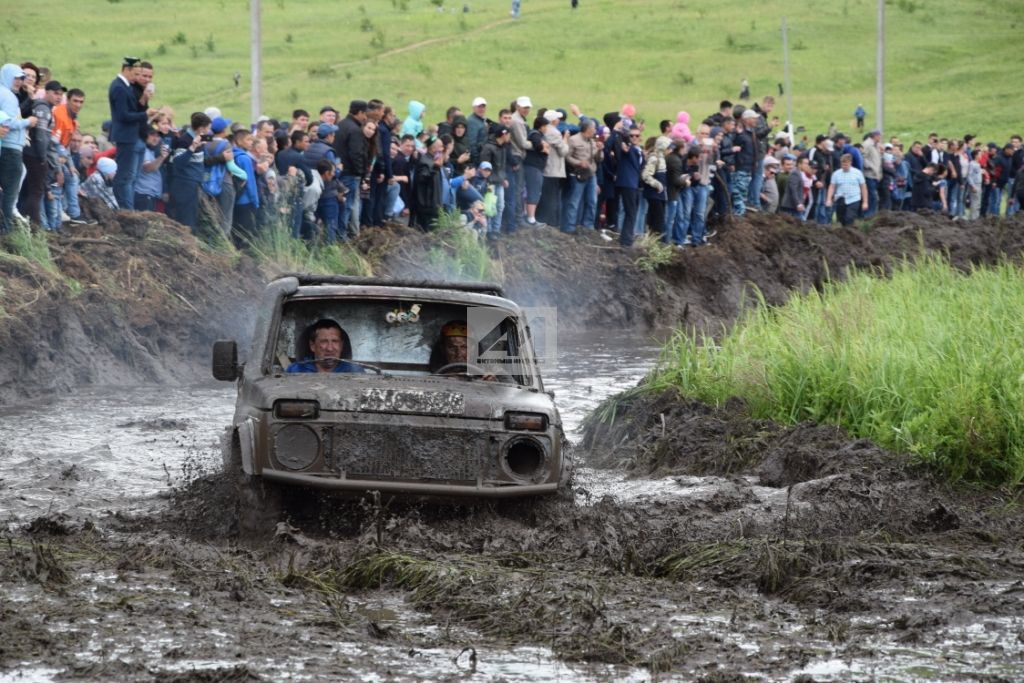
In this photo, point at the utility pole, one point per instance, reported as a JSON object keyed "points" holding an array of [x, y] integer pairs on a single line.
{"points": [[255, 57], [880, 69], [785, 78]]}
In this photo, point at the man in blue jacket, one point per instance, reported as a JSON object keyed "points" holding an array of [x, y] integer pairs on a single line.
{"points": [[247, 198], [127, 115], [627, 183], [326, 346]]}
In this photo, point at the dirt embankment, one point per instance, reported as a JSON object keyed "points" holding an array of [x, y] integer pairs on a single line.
{"points": [[133, 299], [137, 298]]}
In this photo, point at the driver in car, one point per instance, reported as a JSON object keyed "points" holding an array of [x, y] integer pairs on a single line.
{"points": [[326, 345]]}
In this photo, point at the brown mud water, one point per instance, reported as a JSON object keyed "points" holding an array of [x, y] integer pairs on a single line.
{"points": [[707, 546]]}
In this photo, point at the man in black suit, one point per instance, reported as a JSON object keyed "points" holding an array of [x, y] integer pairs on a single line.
{"points": [[127, 115]]}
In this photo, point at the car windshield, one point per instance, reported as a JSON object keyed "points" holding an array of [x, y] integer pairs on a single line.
{"points": [[406, 338]]}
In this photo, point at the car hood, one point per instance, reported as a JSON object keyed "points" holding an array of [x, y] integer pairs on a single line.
{"points": [[475, 399]]}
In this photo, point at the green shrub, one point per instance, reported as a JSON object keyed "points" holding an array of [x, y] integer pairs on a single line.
{"points": [[928, 362]]}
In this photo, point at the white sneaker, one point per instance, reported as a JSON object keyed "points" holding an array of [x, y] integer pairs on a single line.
{"points": [[686, 240], [606, 236]]}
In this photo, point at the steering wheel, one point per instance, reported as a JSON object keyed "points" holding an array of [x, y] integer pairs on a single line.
{"points": [[461, 369]]}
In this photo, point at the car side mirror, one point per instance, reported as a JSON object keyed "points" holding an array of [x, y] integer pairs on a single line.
{"points": [[551, 393], [225, 360]]}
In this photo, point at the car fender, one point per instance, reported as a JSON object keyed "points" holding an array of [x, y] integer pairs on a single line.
{"points": [[247, 444]]}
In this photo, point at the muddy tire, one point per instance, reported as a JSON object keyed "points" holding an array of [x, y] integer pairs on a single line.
{"points": [[567, 477], [258, 503]]}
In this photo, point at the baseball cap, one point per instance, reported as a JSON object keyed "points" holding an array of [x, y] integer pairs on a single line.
{"points": [[454, 328], [130, 61], [219, 124], [523, 101], [479, 102], [55, 85], [749, 114], [485, 166], [552, 115], [771, 161], [325, 129], [497, 130]]}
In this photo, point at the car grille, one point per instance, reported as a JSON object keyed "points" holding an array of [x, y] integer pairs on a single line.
{"points": [[360, 451]]}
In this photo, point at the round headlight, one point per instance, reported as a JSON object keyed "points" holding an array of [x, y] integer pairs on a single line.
{"points": [[296, 446], [525, 459]]}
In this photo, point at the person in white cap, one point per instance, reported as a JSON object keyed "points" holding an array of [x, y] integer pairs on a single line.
{"points": [[476, 129], [516, 175], [100, 185]]}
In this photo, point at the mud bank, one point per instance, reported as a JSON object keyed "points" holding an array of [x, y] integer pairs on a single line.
{"points": [[133, 299], [138, 299]]}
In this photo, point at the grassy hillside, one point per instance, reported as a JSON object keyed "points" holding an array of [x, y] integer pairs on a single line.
{"points": [[951, 63]]}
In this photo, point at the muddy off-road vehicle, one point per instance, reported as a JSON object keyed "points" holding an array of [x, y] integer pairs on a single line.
{"points": [[398, 419]]}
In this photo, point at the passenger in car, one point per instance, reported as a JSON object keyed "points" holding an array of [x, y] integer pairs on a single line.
{"points": [[451, 360], [326, 346]]}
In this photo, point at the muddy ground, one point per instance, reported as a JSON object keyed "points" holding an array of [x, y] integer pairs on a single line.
{"points": [[734, 549], [711, 547]]}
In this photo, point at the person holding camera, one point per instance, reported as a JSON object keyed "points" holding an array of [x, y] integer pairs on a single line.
{"points": [[188, 161], [150, 185]]}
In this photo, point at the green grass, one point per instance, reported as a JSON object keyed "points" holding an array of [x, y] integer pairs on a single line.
{"points": [[459, 254], [950, 62], [277, 250], [928, 362], [32, 247], [655, 253]]}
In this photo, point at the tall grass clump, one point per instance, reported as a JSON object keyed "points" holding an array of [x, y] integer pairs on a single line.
{"points": [[929, 362], [33, 247], [458, 253], [275, 248]]}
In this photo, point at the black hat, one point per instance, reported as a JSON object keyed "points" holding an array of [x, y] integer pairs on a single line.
{"points": [[130, 61], [55, 85], [356, 106], [497, 130], [820, 139]]}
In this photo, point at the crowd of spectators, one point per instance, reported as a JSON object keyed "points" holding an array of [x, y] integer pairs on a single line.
{"points": [[326, 177]]}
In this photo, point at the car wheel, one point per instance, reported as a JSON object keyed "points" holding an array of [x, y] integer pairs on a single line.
{"points": [[258, 503], [567, 477]]}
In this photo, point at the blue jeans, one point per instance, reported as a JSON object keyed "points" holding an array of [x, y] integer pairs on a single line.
{"points": [[641, 215], [872, 185], [995, 196], [52, 208], [394, 192], [494, 222], [513, 205], [575, 189], [822, 213], [70, 199], [741, 182], [328, 211], [754, 190], [351, 207], [698, 199], [677, 218], [124, 179], [589, 219]]}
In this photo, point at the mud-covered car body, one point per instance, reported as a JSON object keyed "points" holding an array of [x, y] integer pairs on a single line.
{"points": [[397, 427]]}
